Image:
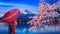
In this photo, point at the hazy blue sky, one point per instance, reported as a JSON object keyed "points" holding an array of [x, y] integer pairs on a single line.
{"points": [[32, 2], [31, 5]]}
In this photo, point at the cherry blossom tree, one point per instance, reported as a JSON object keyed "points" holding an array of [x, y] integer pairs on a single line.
{"points": [[41, 19]]}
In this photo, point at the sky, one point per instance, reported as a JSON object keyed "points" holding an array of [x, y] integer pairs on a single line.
{"points": [[31, 5], [6, 5], [30, 2]]}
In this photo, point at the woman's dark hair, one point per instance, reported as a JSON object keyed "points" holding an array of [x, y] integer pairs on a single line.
{"points": [[0, 18]]}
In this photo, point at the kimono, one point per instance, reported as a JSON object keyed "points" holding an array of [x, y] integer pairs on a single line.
{"points": [[10, 18]]}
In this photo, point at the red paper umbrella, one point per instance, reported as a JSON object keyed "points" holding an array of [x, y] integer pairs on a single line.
{"points": [[11, 15]]}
